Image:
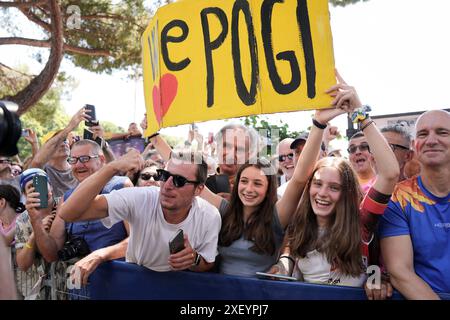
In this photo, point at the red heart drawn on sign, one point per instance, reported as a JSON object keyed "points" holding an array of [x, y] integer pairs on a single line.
{"points": [[164, 95]]}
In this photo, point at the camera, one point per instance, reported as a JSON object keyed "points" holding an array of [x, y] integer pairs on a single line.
{"points": [[10, 129], [73, 248]]}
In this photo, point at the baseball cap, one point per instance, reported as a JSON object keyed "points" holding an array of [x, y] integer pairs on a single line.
{"points": [[300, 139], [28, 174]]}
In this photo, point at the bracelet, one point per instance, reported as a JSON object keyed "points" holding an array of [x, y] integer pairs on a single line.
{"points": [[367, 124], [360, 114], [318, 124], [153, 135], [28, 246], [287, 257]]}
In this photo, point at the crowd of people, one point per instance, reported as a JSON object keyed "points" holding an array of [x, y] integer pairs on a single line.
{"points": [[306, 212]]}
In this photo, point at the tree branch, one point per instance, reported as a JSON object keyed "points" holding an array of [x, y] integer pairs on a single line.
{"points": [[9, 4], [34, 18], [47, 44], [40, 85], [26, 42], [86, 51]]}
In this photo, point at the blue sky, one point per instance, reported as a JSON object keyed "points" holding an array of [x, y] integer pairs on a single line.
{"points": [[395, 52]]}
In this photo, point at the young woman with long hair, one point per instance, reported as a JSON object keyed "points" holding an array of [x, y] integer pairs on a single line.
{"points": [[254, 220], [329, 234]]}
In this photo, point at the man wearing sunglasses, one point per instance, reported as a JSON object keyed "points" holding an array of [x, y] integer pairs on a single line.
{"points": [[399, 139], [86, 157], [362, 160], [155, 214]]}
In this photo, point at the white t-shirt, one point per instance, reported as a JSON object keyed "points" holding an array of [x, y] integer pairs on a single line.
{"points": [[315, 268], [281, 189], [150, 232]]}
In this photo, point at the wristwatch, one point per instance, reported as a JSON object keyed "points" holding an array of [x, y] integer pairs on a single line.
{"points": [[198, 258]]}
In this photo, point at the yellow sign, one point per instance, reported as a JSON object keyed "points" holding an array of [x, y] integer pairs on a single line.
{"points": [[217, 59]]}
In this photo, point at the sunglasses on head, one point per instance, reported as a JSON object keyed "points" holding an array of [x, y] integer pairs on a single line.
{"points": [[362, 147], [178, 181], [283, 157], [146, 176]]}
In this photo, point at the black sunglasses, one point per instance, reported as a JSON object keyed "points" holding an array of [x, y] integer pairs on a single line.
{"points": [[362, 147], [283, 157], [147, 176], [397, 146], [178, 181]]}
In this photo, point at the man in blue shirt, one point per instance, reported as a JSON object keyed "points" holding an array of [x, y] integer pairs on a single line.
{"points": [[415, 228]]}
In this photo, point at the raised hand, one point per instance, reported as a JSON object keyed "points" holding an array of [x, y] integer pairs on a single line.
{"points": [[344, 95], [32, 137], [130, 161], [78, 117]]}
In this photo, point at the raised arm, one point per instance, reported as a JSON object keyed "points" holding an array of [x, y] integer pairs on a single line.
{"points": [[161, 146], [398, 257], [388, 169], [211, 197], [52, 144], [346, 99], [84, 203], [7, 286]]}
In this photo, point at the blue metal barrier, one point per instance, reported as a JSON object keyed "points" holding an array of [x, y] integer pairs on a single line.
{"points": [[120, 280]]}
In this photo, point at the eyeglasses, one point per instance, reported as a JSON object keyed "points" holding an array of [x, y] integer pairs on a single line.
{"points": [[147, 176], [397, 146], [83, 159], [283, 157], [362, 147], [5, 161], [178, 181], [16, 172]]}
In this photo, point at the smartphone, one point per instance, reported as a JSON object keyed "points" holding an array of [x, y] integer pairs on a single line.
{"points": [[25, 133], [176, 244], [40, 185], [218, 183], [99, 141], [91, 111], [270, 276], [88, 135]]}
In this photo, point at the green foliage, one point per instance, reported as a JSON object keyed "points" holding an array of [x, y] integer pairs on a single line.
{"points": [[261, 124], [115, 26], [111, 127], [172, 141], [46, 115]]}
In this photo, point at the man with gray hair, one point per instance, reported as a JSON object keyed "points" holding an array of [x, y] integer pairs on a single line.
{"points": [[236, 144], [399, 140], [414, 230]]}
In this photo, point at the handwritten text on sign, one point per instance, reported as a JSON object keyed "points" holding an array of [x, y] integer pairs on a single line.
{"points": [[216, 59]]}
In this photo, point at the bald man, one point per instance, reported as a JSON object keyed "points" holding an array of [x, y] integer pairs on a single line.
{"points": [[415, 229]]}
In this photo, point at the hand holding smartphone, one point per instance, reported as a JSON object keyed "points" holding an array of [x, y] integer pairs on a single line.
{"points": [[176, 244], [91, 112], [25, 133], [40, 185]]}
